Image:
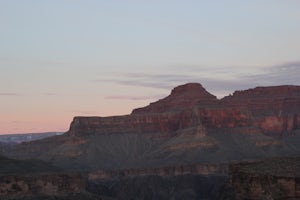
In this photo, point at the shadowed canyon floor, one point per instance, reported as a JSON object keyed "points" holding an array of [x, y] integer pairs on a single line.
{"points": [[190, 133]]}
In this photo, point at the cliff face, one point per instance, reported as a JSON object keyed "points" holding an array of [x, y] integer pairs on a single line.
{"points": [[155, 125], [160, 119], [188, 126], [273, 110], [192, 187], [33, 177], [185, 135], [183, 97], [277, 178], [176, 170], [41, 184]]}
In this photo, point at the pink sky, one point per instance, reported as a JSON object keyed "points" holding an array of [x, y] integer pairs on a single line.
{"points": [[60, 59]]}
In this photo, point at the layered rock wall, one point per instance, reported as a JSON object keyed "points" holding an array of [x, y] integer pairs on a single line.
{"points": [[273, 110], [166, 124], [41, 184], [195, 169], [183, 97], [276, 178]]}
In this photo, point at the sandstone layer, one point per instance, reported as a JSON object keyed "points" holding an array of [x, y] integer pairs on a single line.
{"points": [[273, 110]]}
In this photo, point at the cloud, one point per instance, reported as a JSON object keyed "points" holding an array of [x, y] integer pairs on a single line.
{"points": [[218, 86], [135, 98], [160, 81], [9, 94], [282, 74], [287, 73], [19, 94], [220, 81]]}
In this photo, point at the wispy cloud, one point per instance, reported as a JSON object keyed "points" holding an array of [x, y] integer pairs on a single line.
{"points": [[135, 98], [10, 94], [282, 74], [220, 81], [161, 81]]}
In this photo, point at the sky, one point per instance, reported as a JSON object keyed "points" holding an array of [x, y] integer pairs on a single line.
{"points": [[66, 58]]}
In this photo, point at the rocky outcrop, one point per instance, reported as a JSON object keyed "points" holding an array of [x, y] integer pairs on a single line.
{"points": [[189, 126], [155, 125], [192, 187], [183, 97], [168, 171], [274, 110], [41, 184], [179, 136], [33, 177], [277, 178]]}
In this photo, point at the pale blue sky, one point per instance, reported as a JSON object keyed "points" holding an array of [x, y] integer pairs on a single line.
{"points": [[60, 58]]}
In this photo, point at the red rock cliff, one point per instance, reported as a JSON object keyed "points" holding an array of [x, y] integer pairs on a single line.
{"points": [[181, 98], [273, 110]]}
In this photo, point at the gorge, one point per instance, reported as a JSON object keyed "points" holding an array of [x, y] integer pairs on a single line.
{"points": [[188, 137]]}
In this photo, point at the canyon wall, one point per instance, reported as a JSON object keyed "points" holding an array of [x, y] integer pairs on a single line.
{"points": [[176, 170], [276, 178], [273, 110], [41, 184]]}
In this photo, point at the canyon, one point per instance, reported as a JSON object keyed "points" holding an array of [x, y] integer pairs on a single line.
{"points": [[189, 135]]}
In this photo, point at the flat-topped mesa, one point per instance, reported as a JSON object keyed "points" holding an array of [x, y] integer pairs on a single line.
{"points": [[274, 110], [181, 98], [155, 125], [275, 100], [280, 92], [159, 118]]}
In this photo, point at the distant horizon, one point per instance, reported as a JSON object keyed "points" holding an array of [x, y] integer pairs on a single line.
{"points": [[104, 58], [32, 133]]}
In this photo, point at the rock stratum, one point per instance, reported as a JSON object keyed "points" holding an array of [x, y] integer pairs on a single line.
{"points": [[190, 126], [272, 110], [276, 178], [33, 178], [188, 133]]}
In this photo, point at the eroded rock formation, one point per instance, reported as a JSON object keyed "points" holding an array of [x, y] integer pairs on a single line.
{"points": [[32, 178], [274, 110], [189, 133], [277, 178]]}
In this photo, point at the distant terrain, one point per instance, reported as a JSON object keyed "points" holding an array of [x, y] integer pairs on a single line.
{"points": [[26, 137], [189, 137]]}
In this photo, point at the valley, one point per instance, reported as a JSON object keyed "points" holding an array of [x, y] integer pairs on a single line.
{"points": [[180, 147]]}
